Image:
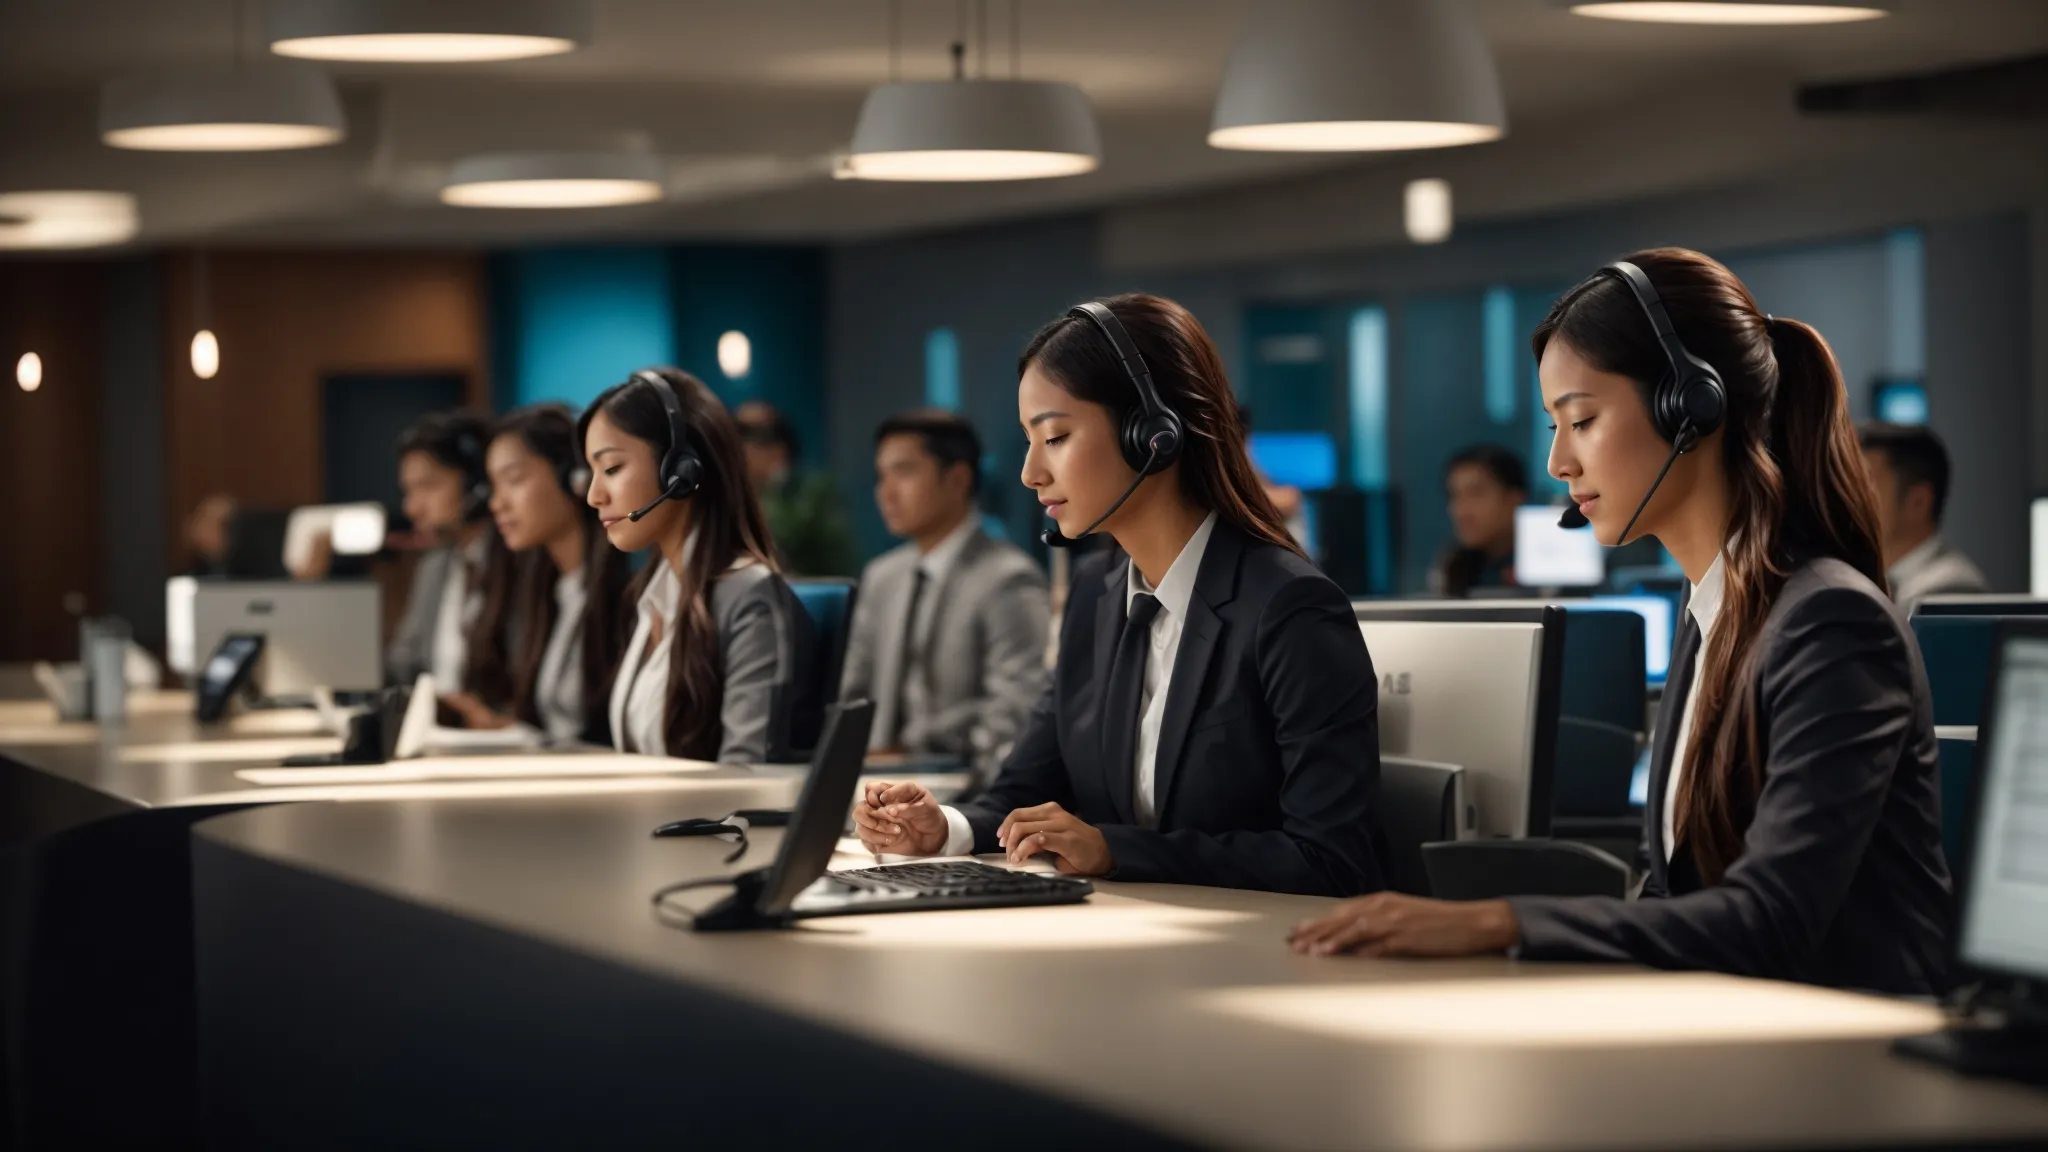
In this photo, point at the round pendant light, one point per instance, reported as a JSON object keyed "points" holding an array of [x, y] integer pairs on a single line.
{"points": [[426, 31], [1733, 11], [252, 107], [66, 219], [1358, 76], [555, 180], [958, 130]]}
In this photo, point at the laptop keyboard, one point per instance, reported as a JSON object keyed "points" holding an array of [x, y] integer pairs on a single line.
{"points": [[959, 879]]}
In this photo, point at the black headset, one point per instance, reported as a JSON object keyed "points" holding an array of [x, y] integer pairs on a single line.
{"points": [[1152, 432], [681, 472], [1689, 401], [476, 494]]}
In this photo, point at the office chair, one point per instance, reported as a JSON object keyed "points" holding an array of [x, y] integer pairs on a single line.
{"points": [[829, 601], [1491, 869], [1957, 653], [1419, 803]]}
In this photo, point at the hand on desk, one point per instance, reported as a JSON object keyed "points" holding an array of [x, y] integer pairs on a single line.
{"points": [[1390, 924], [902, 819], [1078, 847]]}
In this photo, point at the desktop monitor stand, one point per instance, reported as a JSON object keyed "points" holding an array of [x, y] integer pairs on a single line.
{"points": [[2014, 1047]]}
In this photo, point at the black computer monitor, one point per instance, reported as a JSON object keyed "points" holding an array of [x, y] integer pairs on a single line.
{"points": [[256, 544], [2003, 930], [1981, 605]]}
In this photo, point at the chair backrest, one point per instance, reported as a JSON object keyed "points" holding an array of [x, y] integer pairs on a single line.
{"points": [[1958, 774], [829, 602], [1491, 869], [1957, 653], [1419, 804]]}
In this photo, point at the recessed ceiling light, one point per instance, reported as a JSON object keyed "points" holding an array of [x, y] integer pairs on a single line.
{"points": [[1358, 76], [251, 107], [1732, 11], [555, 180], [426, 31], [66, 219], [962, 130]]}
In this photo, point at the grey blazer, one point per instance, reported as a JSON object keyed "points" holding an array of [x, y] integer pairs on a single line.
{"points": [[984, 661], [1841, 880], [772, 707], [412, 646]]}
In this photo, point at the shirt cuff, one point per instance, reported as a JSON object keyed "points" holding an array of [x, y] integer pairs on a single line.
{"points": [[959, 833]]}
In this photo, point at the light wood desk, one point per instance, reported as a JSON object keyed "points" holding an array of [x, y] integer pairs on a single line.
{"points": [[489, 972]]}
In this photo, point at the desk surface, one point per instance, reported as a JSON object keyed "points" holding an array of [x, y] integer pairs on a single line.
{"points": [[1178, 1008]]}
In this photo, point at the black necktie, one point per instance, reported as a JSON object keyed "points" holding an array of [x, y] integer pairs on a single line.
{"points": [[1120, 717], [912, 658]]}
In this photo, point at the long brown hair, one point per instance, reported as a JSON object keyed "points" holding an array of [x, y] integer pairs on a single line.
{"points": [[525, 593], [1798, 490], [1215, 466], [726, 518]]}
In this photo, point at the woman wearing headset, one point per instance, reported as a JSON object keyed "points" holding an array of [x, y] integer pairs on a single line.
{"points": [[563, 598], [1213, 718], [1793, 830], [721, 664], [441, 472]]}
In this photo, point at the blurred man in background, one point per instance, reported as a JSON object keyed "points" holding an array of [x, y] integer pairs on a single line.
{"points": [[948, 636], [1483, 486], [1910, 468], [803, 509]]}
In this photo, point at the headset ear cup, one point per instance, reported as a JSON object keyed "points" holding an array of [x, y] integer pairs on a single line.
{"points": [[687, 475]]}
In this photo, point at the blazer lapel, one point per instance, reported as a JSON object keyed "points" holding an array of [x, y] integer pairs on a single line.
{"points": [[1110, 613], [1670, 717], [1200, 639]]}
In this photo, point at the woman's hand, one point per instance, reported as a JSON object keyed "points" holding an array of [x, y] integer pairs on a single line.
{"points": [[1390, 924], [902, 819], [1078, 846], [475, 713]]}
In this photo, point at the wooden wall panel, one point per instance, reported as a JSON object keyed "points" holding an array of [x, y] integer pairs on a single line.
{"points": [[286, 320], [50, 490]]}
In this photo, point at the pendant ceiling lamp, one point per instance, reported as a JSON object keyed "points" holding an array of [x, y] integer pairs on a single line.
{"points": [[249, 107], [66, 219], [426, 31], [555, 180], [246, 106], [1358, 76], [1733, 11], [973, 128]]}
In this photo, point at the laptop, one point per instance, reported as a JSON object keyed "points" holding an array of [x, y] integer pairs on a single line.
{"points": [[796, 885]]}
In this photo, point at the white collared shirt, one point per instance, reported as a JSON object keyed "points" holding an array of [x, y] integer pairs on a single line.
{"points": [[461, 599], [558, 689], [1175, 592], [639, 705], [1705, 607], [936, 565]]}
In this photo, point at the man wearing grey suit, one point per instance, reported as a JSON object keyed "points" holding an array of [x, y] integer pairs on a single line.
{"points": [[948, 636]]}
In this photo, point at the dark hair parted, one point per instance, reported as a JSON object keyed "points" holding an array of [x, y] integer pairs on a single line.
{"points": [[726, 519], [1916, 454], [1503, 465], [1798, 490], [522, 593], [1215, 467], [452, 439], [947, 436]]}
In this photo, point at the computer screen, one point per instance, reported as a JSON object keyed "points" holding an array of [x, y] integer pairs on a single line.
{"points": [[1547, 556], [319, 634], [1658, 629], [1899, 401], [2005, 916], [1305, 460]]}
